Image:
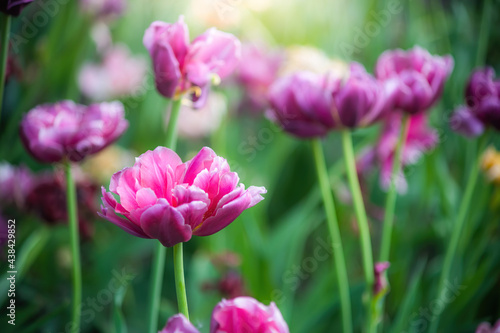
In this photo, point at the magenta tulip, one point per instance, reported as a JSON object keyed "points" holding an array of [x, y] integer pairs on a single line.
{"points": [[301, 103], [482, 96], [181, 67], [162, 198], [418, 76], [179, 324], [245, 314], [360, 101], [53, 132], [381, 283]]}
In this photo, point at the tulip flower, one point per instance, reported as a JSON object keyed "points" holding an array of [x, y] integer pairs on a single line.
{"points": [[179, 324], [487, 328], [490, 164], [482, 96], [360, 101], [4, 230], [181, 67], [257, 71], [103, 9], [420, 139], [13, 7], [118, 75], [301, 103], [165, 199], [245, 314], [418, 76], [53, 132], [15, 184]]}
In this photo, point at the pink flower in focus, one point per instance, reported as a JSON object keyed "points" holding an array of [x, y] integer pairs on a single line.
{"points": [[179, 324], [257, 71], [182, 67], [420, 139], [245, 314], [162, 198], [486, 328], [119, 75], [52, 132], [418, 76]]}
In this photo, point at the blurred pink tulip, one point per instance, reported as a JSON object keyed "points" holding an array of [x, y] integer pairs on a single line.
{"points": [[245, 314], [418, 76], [15, 184], [182, 67], [165, 199], [487, 328], [103, 9], [179, 324], [118, 75], [257, 71], [420, 139], [380, 279], [52, 132]]}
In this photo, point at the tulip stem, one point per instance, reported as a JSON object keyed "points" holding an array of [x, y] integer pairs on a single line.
{"points": [[4, 49], [359, 207], [180, 284], [172, 124], [457, 231], [390, 203], [333, 226], [160, 252], [75, 247]]}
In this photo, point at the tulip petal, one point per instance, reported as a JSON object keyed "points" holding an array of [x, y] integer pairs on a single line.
{"points": [[165, 223]]}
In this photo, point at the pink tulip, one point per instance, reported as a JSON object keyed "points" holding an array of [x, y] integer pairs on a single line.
{"points": [[487, 328], [52, 132], [245, 314], [15, 184], [103, 9], [301, 103], [162, 198], [118, 75], [179, 324], [420, 139], [257, 71], [380, 279], [418, 76], [181, 67]]}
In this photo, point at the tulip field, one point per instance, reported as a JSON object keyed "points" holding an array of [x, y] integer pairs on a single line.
{"points": [[249, 166]]}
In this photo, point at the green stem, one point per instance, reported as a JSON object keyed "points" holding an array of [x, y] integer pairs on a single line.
{"points": [[172, 124], [75, 247], [180, 284], [482, 44], [4, 49], [457, 231], [156, 282], [390, 203], [160, 252], [333, 226], [359, 207]]}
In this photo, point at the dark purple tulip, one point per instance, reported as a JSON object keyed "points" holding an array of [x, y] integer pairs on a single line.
{"points": [[301, 103], [361, 100], [52, 132], [482, 96], [419, 77], [179, 324], [181, 67], [13, 7]]}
